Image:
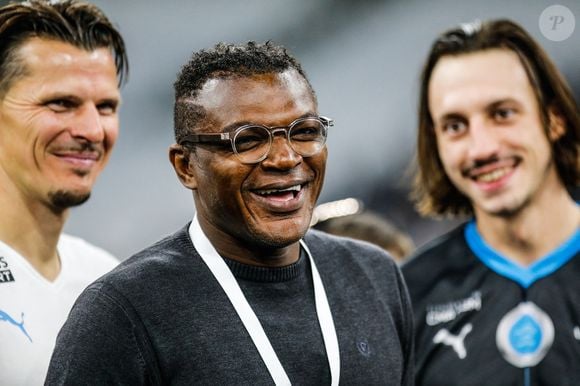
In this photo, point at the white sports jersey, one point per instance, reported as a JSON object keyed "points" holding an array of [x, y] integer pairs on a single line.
{"points": [[33, 309]]}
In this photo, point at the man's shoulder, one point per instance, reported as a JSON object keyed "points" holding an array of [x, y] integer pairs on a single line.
{"points": [[325, 240], [168, 269], [349, 263], [343, 251], [84, 254], [448, 251], [162, 260]]}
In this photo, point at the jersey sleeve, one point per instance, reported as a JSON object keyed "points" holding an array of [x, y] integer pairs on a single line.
{"points": [[102, 342]]}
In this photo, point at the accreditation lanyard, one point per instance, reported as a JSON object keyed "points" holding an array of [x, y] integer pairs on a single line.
{"points": [[229, 284]]}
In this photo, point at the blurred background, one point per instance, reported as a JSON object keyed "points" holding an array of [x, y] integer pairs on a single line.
{"points": [[363, 59]]}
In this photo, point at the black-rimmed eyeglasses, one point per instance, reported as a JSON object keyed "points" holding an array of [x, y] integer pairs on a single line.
{"points": [[251, 143]]}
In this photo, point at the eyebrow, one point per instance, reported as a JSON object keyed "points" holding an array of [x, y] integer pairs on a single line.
{"points": [[60, 95], [437, 123], [489, 107], [116, 100], [113, 101], [235, 125], [496, 104]]}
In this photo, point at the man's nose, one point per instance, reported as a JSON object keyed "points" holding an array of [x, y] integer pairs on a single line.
{"points": [[484, 141], [88, 124], [281, 155]]}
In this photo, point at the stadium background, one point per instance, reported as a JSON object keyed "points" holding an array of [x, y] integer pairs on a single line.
{"points": [[363, 59]]}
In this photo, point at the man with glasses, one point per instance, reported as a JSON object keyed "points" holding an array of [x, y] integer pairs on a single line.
{"points": [[244, 294]]}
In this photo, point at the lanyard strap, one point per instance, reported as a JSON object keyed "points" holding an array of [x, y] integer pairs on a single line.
{"points": [[229, 284]]}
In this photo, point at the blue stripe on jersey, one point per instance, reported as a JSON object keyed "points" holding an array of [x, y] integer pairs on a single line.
{"points": [[524, 276]]}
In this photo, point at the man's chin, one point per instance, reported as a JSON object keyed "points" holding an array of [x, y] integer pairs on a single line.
{"points": [[281, 235], [506, 208], [61, 200]]}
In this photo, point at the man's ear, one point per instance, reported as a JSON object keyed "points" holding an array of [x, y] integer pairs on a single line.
{"points": [[556, 124], [179, 158]]}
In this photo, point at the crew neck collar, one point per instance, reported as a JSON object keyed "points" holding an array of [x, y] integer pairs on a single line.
{"points": [[267, 274]]}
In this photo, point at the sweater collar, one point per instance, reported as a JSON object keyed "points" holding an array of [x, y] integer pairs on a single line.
{"points": [[268, 274]]}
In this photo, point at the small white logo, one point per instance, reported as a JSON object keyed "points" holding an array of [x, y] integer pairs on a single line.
{"points": [[442, 313], [455, 341], [557, 23], [577, 333], [524, 335]]}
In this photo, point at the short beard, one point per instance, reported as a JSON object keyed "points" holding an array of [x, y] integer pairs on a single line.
{"points": [[62, 199]]}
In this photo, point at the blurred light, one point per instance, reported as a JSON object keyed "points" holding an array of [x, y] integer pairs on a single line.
{"points": [[335, 209]]}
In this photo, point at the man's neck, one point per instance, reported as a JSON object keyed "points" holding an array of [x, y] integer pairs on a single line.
{"points": [[535, 230], [33, 230], [227, 246]]}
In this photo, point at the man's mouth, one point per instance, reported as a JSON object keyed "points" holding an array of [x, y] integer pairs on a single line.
{"points": [[85, 155], [493, 175], [81, 161], [491, 169], [90, 151], [282, 194], [282, 199]]}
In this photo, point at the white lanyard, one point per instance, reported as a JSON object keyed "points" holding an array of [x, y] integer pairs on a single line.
{"points": [[228, 282]]}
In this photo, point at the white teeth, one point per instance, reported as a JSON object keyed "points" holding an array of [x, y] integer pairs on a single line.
{"points": [[493, 175], [295, 188]]}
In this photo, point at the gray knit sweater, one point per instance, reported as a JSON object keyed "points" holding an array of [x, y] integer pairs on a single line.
{"points": [[161, 318]]}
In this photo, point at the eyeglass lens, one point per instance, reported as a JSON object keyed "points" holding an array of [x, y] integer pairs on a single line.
{"points": [[307, 137]]}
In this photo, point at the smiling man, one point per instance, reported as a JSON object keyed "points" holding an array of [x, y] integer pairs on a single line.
{"points": [[60, 68], [496, 300], [244, 294]]}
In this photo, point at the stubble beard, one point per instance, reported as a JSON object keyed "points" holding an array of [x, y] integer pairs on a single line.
{"points": [[61, 200]]}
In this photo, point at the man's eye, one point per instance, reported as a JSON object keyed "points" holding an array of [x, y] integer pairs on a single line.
{"points": [[107, 108], [306, 133], [503, 114], [454, 127], [248, 142], [60, 105]]}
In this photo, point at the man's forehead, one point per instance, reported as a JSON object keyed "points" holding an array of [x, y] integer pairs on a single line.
{"points": [[223, 91], [478, 78], [486, 64], [39, 47], [54, 69]]}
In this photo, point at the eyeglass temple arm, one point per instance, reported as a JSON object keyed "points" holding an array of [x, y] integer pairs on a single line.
{"points": [[327, 121], [206, 138]]}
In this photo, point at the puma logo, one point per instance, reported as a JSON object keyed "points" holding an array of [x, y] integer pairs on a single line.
{"points": [[455, 341], [7, 318], [577, 332]]}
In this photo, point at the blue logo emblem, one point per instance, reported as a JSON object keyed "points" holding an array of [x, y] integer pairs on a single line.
{"points": [[524, 335], [7, 318]]}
